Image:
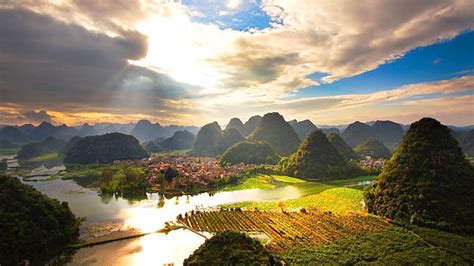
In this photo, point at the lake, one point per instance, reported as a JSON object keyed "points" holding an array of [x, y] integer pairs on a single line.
{"points": [[147, 215]]}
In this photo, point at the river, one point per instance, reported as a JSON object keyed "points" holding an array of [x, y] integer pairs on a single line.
{"points": [[146, 215]]}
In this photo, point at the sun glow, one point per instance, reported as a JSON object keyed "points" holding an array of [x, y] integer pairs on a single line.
{"points": [[183, 49]]}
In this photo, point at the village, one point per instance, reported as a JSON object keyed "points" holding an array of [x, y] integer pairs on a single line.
{"points": [[190, 171]]}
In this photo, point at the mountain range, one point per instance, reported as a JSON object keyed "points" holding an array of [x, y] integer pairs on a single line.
{"points": [[144, 130]]}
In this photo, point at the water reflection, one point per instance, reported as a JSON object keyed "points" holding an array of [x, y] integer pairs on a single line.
{"points": [[154, 249], [147, 215]]}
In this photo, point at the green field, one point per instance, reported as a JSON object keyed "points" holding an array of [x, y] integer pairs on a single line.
{"points": [[9, 151], [337, 196], [393, 246], [44, 157]]}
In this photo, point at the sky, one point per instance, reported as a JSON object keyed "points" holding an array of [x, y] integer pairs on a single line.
{"points": [[192, 62]]}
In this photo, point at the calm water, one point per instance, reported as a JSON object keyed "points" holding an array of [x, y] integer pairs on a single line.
{"points": [[147, 215]]}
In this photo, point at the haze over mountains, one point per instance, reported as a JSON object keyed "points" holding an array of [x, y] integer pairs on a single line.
{"points": [[143, 130], [388, 133]]}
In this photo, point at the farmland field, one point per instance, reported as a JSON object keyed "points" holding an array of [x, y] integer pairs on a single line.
{"points": [[392, 246], [287, 229]]}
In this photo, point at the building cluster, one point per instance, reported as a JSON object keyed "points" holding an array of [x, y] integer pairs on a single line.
{"points": [[198, 170], [371, 162]]}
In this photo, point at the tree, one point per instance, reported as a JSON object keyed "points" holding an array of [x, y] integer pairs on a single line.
{"points": [[249, 152], [317, 158], [427, 181], [274, 130], [32, 226], [105, 149], [229, 248], [373, 148], [170, 173]]}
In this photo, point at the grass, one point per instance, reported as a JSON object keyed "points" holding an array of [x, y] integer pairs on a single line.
{"points": [[289, 229], [261, 181], [337, 200], [44, 157], [337, 196], [9, 151], [393, 246]]}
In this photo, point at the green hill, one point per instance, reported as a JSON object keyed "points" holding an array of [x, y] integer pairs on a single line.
{"points": [[13, 135], [251, 125], [33, 226], [273, 129], [105, 149], [341, 146], [35, 149], [303, 128], [238, 125], [387, 132], [181, 140], [373, 148], [466, 142], [230, 137], [357, 133], [317, 158], [69, 145], [249, 152], [229, 248], [427, 181], [209, 140]]}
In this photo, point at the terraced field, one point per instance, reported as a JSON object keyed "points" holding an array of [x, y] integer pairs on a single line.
{"points": [[287, 229]]}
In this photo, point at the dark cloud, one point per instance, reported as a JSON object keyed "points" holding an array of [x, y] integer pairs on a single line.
{"points": [[47, 64], [39, 116]]}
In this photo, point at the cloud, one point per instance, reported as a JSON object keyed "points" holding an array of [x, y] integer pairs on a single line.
{"points": [[151, 58], [346, 38], [341, 38], [46, 64], [37, 116], [441, 99]]}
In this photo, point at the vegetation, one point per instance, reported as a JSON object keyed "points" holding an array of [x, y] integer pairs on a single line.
{"points": [[181, 140], [229, 248], [273, 129], [46, 148], [12, 135], [392, 246], [251, 124], [128, 180], [341, 146], [208, 140], [105, 149], [427, 181], [260, 181], [69, 145], [333, 199], [373, 148], [249, 153], [45, 157], [7, 148], [387, 132], [211, 140], [152, 146], [466, 142], [305, 228], [33, 226], [303, 128], [357, 133], [337, 196], [230, 137], [3, 166], [317, 158], [237, 125]]}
